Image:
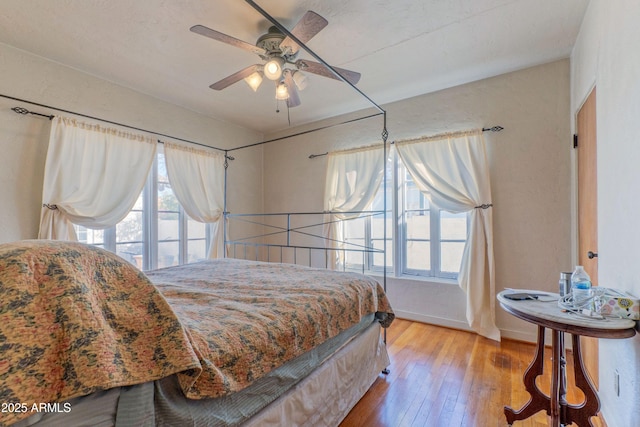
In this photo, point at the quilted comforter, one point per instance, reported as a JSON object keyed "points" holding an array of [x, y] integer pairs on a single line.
{"points": [[75, 319], [246, 318]]}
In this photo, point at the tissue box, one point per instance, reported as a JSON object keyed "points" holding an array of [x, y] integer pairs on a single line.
{"points": [[620, 304]]}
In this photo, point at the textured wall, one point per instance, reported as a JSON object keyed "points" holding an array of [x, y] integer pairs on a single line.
{"points": [[530, 176]]}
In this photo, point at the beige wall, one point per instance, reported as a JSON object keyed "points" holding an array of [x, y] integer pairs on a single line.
{"points": [[606, 55], [23, 139], [531, 180]]}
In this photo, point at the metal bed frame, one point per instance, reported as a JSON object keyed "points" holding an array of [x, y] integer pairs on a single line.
{"points": [[258, 243], [292, 240]]}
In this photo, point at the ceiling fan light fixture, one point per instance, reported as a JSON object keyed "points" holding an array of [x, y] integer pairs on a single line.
{"points": [[300, 79], [273, 68], [254, 80], [282, 93]]}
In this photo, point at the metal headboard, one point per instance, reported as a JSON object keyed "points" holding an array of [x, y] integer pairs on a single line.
{"points": [[297, 238]]}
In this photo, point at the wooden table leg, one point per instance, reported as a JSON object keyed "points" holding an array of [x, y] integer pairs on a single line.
{"points": [[556, 378], [538, 400], [563, 381], [581, 414]]}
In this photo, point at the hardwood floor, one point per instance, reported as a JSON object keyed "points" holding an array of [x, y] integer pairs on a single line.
{"points": [[449, 378]]}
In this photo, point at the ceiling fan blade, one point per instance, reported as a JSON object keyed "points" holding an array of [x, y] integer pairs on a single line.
{"points": [[216, 35], [319, 69], [308, 26], [294, 98], [235, 77]]}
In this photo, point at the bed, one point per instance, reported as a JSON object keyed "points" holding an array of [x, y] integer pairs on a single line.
{"points": [[87, 339]]}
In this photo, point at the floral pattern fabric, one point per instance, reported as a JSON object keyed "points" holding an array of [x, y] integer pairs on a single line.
{"points": [[75, 319], [246, 318]]}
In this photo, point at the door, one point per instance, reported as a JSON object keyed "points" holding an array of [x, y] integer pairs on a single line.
{"points": [[588, 213]]}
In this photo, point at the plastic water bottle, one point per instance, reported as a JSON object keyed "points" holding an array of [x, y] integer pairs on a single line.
{"points": [[581, 289]]}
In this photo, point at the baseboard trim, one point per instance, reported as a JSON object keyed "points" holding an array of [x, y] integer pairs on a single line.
{"points": [[433, 320], [463, 326]]}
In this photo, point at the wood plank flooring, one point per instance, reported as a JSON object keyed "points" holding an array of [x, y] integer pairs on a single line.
{"points": [[447, 378]]}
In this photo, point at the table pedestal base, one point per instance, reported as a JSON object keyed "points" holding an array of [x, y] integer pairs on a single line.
{"points": [[556, 405]]}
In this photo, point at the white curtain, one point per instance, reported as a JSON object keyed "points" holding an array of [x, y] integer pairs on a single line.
{"points": [[453, 173], [93, 176], [353, 177], [197, 179]]}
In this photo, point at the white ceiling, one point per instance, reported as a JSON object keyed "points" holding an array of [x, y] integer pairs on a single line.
{"points": [[402, 48]]}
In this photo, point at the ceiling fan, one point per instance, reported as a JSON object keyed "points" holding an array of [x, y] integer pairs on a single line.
{"points": [[277, 51]]}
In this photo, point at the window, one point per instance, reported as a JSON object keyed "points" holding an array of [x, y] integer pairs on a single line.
{"points": [[422, 241], [157, 232], [368, 231]]}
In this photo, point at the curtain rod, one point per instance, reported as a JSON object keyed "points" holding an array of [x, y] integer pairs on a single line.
{"points": [[445, 134], [24, 111], [491, 129], [21, 110]]}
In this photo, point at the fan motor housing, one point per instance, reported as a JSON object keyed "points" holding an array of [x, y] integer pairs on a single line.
{"points": [[271, 43]]}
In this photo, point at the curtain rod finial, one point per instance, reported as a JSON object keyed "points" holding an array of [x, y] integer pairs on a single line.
{"points": [[21, 110]]}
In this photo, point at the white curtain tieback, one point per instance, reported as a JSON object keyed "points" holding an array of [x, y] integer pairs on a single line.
{"points": [[52, 207], [485, 206]]}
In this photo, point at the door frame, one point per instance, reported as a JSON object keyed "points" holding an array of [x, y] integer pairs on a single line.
{"points": [[589, 346]]}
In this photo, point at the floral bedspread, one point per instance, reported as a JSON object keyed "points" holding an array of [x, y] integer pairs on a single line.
{"points": [[246, 318], [75, 319]]}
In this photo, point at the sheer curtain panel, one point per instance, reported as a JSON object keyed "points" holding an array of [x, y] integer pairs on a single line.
{"points": [[453, 173], [197, 179], [353, 177], [93, 176]]}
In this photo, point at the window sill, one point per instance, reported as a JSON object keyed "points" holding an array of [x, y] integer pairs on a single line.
{"points": [[426, 279]]}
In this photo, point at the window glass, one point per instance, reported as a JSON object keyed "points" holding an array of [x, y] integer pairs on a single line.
{"points": [[453, 234], [168, 253], [197, 250], [197, 240], [132, 252], [129, 237], [417, 228], [355, 237], [451, 256], [377, 256], [376, 237], [168, 219], [418, 225], [453, 226], [354, 230], [129, 230], [197, 230], [414, 200], [89, 236], [418, 255]]}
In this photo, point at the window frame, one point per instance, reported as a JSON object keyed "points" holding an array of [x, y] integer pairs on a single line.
{"points": [[398, 234]]}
